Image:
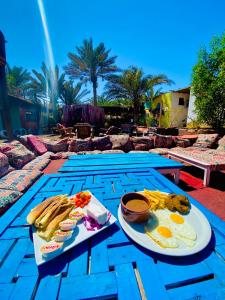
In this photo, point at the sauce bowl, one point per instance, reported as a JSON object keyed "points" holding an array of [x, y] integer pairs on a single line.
{"points": [[132, 215]]}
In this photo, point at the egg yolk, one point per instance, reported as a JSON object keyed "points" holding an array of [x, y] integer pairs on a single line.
{"points": [[164, 231], [176, 218]]}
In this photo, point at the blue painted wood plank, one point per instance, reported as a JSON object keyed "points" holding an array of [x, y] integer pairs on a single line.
{"points": [[99, 253], [24, 288], [5, 246], [78, 264], [152, 282], [16, 232], [221, 251], [217, 266], [206, 290], [126, 254], [21, 218], [48, 288], [27, 267], [6, 290], [131, 165], [127, 282], [110, 156], [172, 274], [94, 286], [11, 264]]}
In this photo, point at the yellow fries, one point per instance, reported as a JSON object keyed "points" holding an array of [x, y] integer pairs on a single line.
{"points": [[156, 198]]}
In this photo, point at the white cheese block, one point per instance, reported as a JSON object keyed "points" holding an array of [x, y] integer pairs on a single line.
{"points": [[97, 212]]}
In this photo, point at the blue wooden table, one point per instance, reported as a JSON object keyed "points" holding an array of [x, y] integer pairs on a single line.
{"points": [[93, 162], [110, 265]]}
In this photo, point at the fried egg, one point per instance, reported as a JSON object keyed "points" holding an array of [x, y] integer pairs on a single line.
{"points": [[160, 233], [178, 225]]}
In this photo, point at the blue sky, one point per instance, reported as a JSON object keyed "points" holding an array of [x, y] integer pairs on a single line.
{"points": [[159, 36]]}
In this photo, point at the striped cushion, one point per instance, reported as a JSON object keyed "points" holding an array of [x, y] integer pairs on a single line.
{"points": [[8, 197], [19, 180], [38, 163]]}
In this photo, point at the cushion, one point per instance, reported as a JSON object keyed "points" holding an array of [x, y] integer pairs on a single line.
{"points": [[5, 147], [163, 141], [77, 145], [5, 170], [137, 151], [19, 156], [19, 180], [206, 140], [101, 143], [112, 151], [183, 143], [121, 142], [38, 164], [221, 144], [160, 151], [36, 144], [23, 140], [56, 146], [89, 152], [143, 143], [113, 130], [8, 197], [3, 160]]}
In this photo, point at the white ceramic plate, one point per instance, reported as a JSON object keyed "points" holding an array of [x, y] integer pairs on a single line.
{"points": [[195, 218], [80, 234]]}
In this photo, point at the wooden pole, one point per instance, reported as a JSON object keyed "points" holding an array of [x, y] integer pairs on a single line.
{"points": [[4, 103]]}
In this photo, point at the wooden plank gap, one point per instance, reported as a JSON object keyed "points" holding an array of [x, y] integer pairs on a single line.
{"points": [[89, 258], [189, 281], [35, 288], [119, 245], [8, 252], [139, 281]]}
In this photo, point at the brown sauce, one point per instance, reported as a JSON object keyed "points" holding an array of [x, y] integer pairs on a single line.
{"points": [[137, 205]]}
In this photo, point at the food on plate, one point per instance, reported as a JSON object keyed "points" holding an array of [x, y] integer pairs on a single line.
{"points": [[76, 214], [138, 205], [160, 233], [178, 224], [37, 210], [67, 224], [62, 236], [51, 249], [178, 203], [98, 213], [50, 212], [47, 233], [156, 199], [81, 199], [173, 202], [167, 224]]}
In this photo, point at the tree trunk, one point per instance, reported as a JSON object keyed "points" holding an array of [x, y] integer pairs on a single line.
{"points": [[4, 104], [136, 112], [94, 85]]}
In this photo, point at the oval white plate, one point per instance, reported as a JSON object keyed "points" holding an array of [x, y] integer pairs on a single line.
{"points": [[195, 218]]}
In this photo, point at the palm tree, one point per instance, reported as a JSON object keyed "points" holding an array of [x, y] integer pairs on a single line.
{"points": [[133, 86], [71, 94], [47, 86], [90, 63], [18, 80]]}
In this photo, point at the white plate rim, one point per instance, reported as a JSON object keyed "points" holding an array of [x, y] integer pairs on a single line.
{"points": [[152, 246]]}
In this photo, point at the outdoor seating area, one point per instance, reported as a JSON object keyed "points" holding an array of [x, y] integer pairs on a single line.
{"points": [[23, 161]]}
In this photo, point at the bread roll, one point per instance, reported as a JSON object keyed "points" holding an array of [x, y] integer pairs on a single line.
{"points": [[54, 224], [37, 210]]}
